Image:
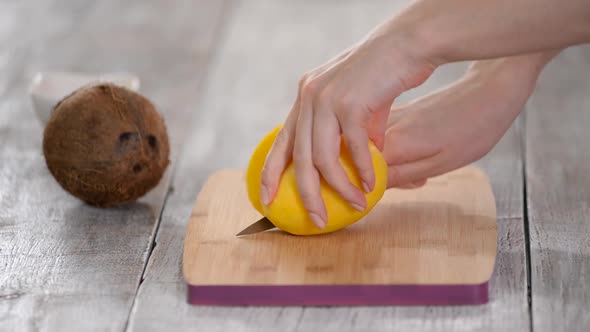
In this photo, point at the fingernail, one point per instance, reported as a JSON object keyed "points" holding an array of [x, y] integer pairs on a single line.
{"points": [[366, 187], [357, 207], [264, 195], [317, 220]]}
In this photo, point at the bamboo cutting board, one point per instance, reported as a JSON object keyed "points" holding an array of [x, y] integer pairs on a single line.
{"points": [[435, 245]]}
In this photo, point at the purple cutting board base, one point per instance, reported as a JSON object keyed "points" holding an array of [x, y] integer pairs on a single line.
{"points": [[338, 295]]}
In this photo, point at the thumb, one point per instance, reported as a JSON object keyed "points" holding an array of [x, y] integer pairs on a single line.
{"points": [[412, 174]]}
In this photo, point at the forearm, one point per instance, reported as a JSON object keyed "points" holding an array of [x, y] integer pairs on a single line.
{"points": [[459, 30], [522, 68]]}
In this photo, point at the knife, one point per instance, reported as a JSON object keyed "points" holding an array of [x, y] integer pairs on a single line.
{"points": [[263, 224]]}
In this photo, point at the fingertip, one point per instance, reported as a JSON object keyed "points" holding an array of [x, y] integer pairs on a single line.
{"points": [[368, 181], [414, 174], [264, 196], [421, 183], [366, 187], [275, 163], [379, 142], [360, 198], [317, 220], [357, 144], [358, 207], [265, 185]]}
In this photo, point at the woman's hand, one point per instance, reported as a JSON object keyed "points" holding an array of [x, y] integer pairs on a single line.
{"points": [[455, 126], [351, 96]]}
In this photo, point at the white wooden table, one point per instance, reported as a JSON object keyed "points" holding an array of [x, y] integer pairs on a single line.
{"points": [[223, 72]]}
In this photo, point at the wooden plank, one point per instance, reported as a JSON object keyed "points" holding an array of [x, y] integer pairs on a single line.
{"points": [[63, 264], [245, 97], [558, 193]]}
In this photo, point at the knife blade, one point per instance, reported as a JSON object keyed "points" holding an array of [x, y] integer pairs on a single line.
{"points": [[263, 224]]}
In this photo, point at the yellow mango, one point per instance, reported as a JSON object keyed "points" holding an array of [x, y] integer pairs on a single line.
{"points": [[287, 212]]}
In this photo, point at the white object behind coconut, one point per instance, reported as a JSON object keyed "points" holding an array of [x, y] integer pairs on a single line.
{"points": [[48, 88]]}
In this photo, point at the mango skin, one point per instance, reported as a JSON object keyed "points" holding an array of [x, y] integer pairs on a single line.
{"points": [[287, 212]]}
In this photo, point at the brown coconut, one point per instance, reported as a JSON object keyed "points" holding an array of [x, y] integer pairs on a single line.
{"points": [[106, 145]]}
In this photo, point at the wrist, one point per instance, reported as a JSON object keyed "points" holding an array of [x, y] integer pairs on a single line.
{"points": [[414, 30], [512, 71], [405, 50]]}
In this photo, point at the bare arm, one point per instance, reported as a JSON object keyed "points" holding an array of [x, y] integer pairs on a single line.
{"points": [[457, 30], [350, 96]]}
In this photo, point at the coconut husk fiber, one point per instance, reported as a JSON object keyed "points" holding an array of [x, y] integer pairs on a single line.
{"points": [[106, 145]]}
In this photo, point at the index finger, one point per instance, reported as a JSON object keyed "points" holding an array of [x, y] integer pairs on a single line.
{"points": [[278, 157]]}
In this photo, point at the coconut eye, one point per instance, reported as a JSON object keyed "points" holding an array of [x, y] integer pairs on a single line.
{"points": [[137, 168], [153, 141], [124, 137]]}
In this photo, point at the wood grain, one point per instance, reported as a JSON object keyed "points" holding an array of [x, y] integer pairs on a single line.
{"points": [[558, 193], [65, 265], [244, 95], [441, 234]]}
